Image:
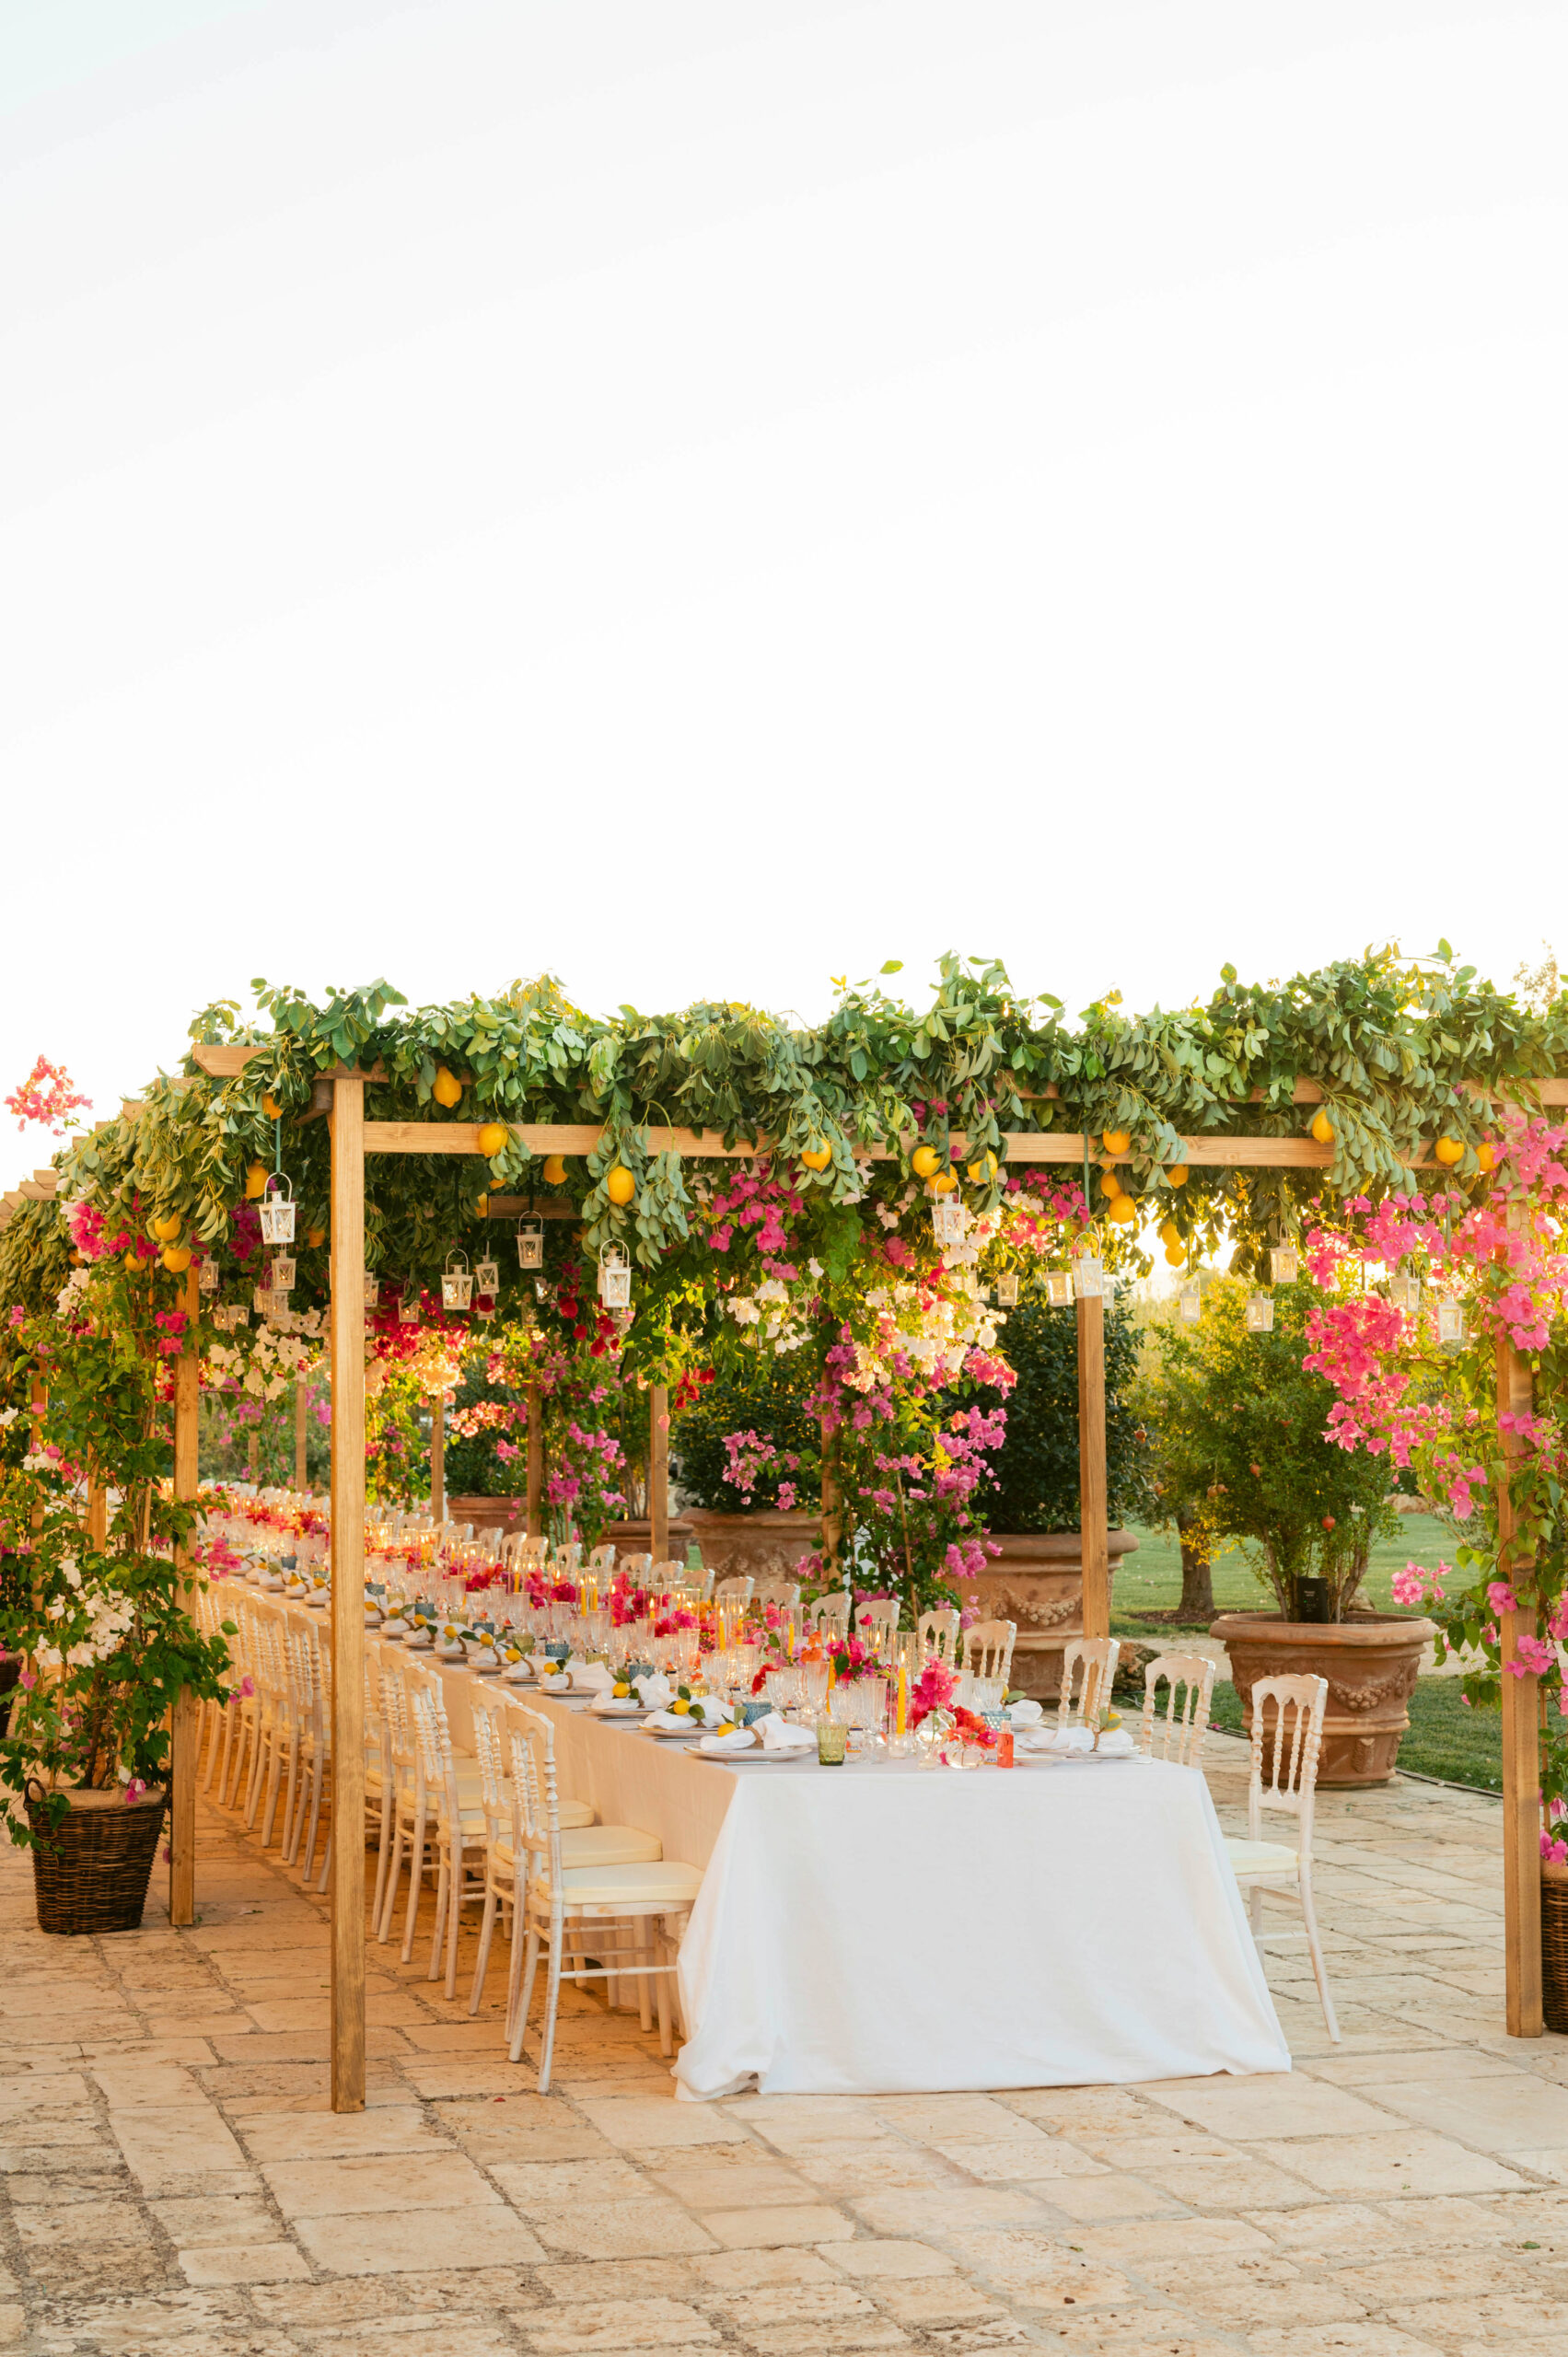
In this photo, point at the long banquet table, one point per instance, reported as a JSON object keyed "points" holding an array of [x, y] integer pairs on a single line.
{"points": [[881, 1928]]}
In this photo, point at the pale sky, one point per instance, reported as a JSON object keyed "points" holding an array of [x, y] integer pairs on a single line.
{"points": [[704, 496]]}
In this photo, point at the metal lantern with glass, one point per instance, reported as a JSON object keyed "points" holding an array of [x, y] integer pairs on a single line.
{"points": [[1284, 1264], [1007, 1290], [615, 1277], [456, 1284], [1259, 1314], [530, 1244], [277, 1212]]}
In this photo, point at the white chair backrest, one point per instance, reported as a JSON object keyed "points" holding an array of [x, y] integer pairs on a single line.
{"points": [[783, 1594], [636, 1568], [877, 1623], [988, 1648], [735, 1590], [602, 1561], [831, 1613], [1089, 1664], [490, 1751], [1287, 1734], [536, 1823], [565, 1558], [1179, 1735], [938, 1635]]}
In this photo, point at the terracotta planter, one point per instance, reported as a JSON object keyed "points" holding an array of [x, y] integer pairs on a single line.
{"points": [[1038, 1582], [759, 1546], [502, 1515], [1371, 1663]]}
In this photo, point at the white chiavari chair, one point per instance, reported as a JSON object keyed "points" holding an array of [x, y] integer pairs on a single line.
{"points": [[1260, 1866], [1088, 1672], [454, 1820], [987, 1648], [1179, 1735], [736, 1590], [636, 1913], [877, 1622], [830, 1614], [938, 1635], [782, 1595], [602, 1561]]}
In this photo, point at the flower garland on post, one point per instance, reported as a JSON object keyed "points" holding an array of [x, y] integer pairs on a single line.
{"points": [[1497, 1473]]}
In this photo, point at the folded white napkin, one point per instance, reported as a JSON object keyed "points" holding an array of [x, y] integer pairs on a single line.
{"points": [[673, 1722], [614, 1706], [779, 1735], [656, 1690], [1116, 1744], [1061, 1740], [592, 1677], [742, 1739], [1025, 1714]]}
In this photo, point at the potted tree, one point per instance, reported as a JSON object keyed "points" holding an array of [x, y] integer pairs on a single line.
{"points": [[745, 1447], [1243, 1449], [1029, 1504], [100, 1624]]}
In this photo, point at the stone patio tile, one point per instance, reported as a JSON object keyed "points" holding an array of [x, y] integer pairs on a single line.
{"points": [[371, 2242], [1493, 2112], [1037, 2268], [1340, 2339], [383, 2182], [183, 2150], [1281, 2104], [615, 2323], [1383, 2068], [939, 2209], [617, 2229], [648, 2120], [840, 2167], [954, 2119], [1111, 2195], [325, 2135], [880, 2262], [815, 2317], [1413, 2161], [743, 2183], [767, 2226], [1239, 2293], [938, 2303], [309, 2308], [815, 2118], [1020, 2159], [1204, 2172], [773, 2269], [248, 2262], [418, 2337], [1139, 2245], [224, 2218]]}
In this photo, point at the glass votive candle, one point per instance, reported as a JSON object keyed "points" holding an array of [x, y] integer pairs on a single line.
{"points": [[832, 1736]]}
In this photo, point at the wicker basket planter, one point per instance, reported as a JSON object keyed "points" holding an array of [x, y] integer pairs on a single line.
{"points": [[91, 1874], [1554, 1947]]}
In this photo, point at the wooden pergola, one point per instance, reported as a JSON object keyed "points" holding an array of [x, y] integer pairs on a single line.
{"points": [[354, 1138]]}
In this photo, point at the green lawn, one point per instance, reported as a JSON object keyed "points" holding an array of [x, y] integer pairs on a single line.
{"points": [[1462, 1747]]}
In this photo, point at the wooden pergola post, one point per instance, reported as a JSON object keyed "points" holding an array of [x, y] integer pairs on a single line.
{"points": [[301, 1429], [658, 1471], [185, 1718], [1521, 1739], [536, 1461], [1093, 1537], [348, 1591], [438, 1457]]}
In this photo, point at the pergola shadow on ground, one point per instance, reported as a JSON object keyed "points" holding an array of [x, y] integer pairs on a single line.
{"points": [[179, 2180]]}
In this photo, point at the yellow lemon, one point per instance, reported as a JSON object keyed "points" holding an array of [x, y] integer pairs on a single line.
{"points": [[272, 1109], [1485, 1156], [620, 1185], [1169, 1232], [1450, 1151], [817, 1157], [1175, 1255], [944, 1183], [168, 1228], [132, 1262], [925, 1162], [621, 1689], [176, 1258], [1123, 1209], [315, 1236], [493, 1137], [446, 1088], [680, 1710], [1323, 1129], [256, 1180], [554, 1170], [1116, 1141], [983, 1170], [1110, 1184], [1177, 1175]]}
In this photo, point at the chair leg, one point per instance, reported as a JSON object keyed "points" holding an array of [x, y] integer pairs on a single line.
{"points": [[325, 1875], [260, 1743], [1320, 1970], [487, 1932], [394, 1868], [1255, 1909], [454, 1909], [416, 1875], [516, 2005], [661, 1988], [547, 2028], [315, 1782], [642, 1944], [524, 1996], [445, 1896], [382, 1853]]}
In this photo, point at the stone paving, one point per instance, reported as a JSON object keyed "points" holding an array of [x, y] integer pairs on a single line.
{"points": [[176, 2182]]}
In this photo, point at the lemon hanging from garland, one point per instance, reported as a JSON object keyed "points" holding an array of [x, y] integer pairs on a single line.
{"points": [[620, 1185]]}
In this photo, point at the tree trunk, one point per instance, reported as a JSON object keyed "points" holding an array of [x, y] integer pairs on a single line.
{"points": [[1197, 1570]]}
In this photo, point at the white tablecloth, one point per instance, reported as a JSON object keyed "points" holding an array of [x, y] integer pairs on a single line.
{"points": [[884, 1928]]}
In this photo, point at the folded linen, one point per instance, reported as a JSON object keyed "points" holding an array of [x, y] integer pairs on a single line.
{"points": [[673, 1722], [614, 1706], [778, 1735], [1025, 1714], [740, 1740]]}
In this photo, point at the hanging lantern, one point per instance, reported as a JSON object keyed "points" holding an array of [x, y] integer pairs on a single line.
{"points": [[1088, 1278], [1007, 1290], [209, 1277], [487, 1278], [1284, 1264], [949, 1220], [372, 1291], [1190, 1303], [1259, 1314], [457, 1286], [541, 1288], [408, 1307], [530, 1244], [1450, 1322], [281, 1274], [228, 1315], [278, 1212], [1404, 1293], [615, 1277], [1059, 1288]]}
